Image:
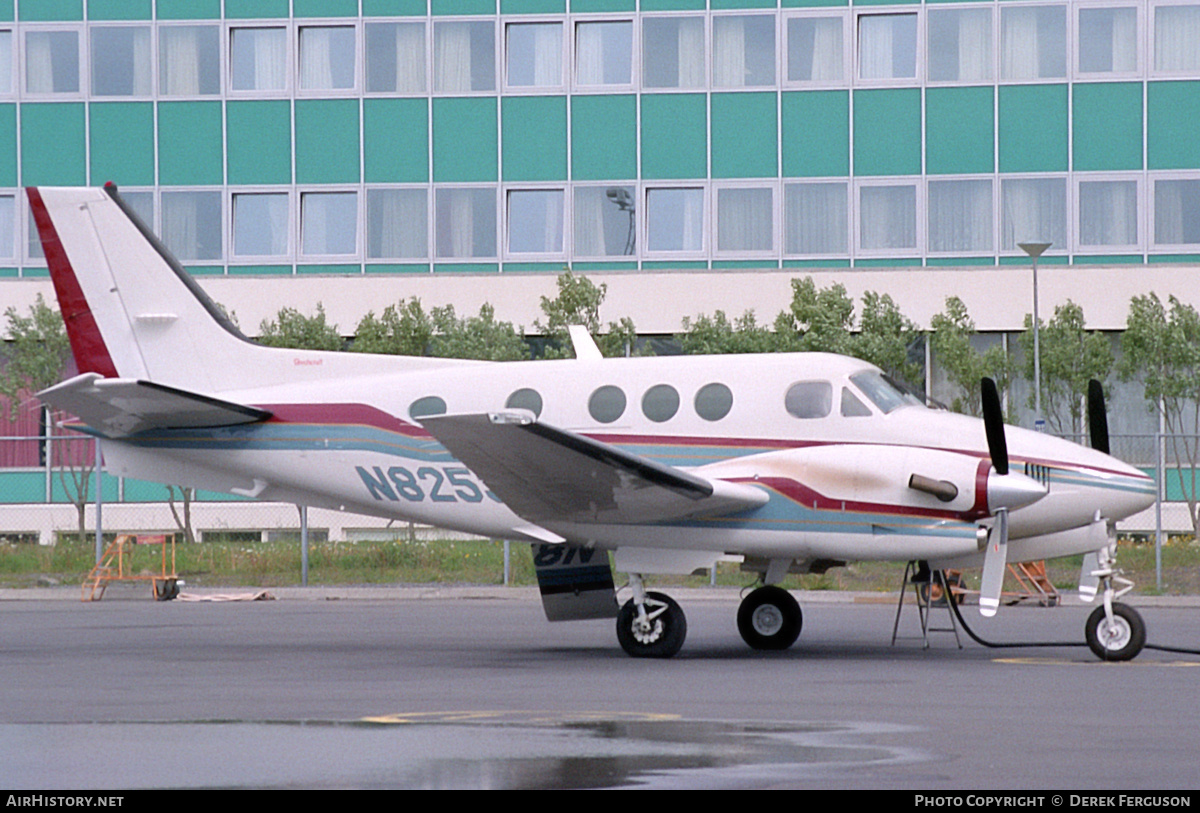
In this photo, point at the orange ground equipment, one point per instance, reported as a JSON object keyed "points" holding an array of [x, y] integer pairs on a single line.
{"points": [[122, 561]]}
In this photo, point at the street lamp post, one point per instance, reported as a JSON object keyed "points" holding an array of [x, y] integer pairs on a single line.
{"points": [[1035, 250]]}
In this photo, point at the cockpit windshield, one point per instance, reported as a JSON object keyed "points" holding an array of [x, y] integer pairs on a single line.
{"points": [[882, 391]]}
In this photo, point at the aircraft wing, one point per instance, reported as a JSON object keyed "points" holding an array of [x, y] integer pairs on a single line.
{"points": [[119, 407], [546, 474]]}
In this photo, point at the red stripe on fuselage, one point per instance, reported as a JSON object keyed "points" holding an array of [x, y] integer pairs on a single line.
{"points": [[87, 345]]}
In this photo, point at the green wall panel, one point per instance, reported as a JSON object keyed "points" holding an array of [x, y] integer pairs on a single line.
{"points": [[672, 5], [47, 10], [959, 130], [52, 144], [1106, 132], [324, 8], [674, 135], [122, 141], [249, 9], [814, 3], [396, 140], [816, 133], [592, 6], [189, 9], [394, 8], [1172, 110], [22, 486], [462, 6], [735, 4], [465, 141], [190, 149], [120, 9], [744, 127], [327, 138], [603, 137], [1033, 128], [887, 132], [533, 6], [534, 146], [8, 11], [8, 145], [259, 138]]}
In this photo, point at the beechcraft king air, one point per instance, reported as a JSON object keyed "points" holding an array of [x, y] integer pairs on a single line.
{"points": [[790, 463]]}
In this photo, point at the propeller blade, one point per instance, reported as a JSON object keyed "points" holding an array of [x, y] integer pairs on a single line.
{"points": [[993, 424], [1097, 419], [995, 559]]}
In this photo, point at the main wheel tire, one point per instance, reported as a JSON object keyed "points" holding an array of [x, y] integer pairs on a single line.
{"points": [[769, 618], [1120, 641], [166, 589], [661, 636]]}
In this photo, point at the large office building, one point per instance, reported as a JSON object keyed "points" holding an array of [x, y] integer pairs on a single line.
{"points": [[355, 150]]}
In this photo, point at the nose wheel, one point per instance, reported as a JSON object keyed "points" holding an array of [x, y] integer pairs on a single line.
{"points": [[1119, 638], [651, 628]]}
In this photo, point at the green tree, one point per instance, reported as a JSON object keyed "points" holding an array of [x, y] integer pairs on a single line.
{"points": [[708, 335], [403, 329], [37, 353], [1161, 348], [1071, 357], [578, 303], [886, 338], [955, 353], [476, 337], [291, 328], [817, 320]]}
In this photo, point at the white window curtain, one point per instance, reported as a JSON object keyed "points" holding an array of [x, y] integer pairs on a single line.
{"points": [[816, 217], [887, 46], [673, 52], [960, 216], [1177, 39], [410, 58], [6, 54], [960, 45], [675, 220], [463, 56], [191, 224], [52, 62], [259, 58], [603, 53], [888, 218], [745, 220], [1107, 40], [1033, 42], [1033, 210], [397, 224], [815, 49], [1108, 213], [326, 57], [535, 221], [534, 54], [188, 60], [121, 64], [260, 225], [465, 223], [1177, 212], [329, 223], [743, 51]]}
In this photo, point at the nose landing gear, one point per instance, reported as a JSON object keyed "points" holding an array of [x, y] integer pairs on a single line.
{"points": [[1114, 631]]}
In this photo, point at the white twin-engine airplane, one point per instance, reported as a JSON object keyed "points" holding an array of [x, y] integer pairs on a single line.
{"points": [[790, 463]]}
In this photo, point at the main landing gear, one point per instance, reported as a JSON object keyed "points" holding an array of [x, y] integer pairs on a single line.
{"points": [[652, 625]]}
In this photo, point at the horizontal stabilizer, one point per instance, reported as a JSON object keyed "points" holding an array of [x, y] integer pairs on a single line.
{"points": [[120, 407], [546, 474]]}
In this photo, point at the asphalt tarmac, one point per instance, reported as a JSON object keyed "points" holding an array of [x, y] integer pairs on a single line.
{"points": [[472, 688]]}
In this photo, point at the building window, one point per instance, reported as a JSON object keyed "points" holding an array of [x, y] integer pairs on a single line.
{"points": [[328, 223], [258, 58], [395, 57], [189, 60], [397, 224], [960, 216], [121, 63], [816, 217], [604, 53], [464, 56], [673, 52], [745, 219], [465, 223], [534, 55], [52, 62], [327, 55], [6, 61], [1176, 32], [1033, 42], [1108, 214], [260, 224], [191, 224], [815, 50], [675, 219], [8, 226], [1108, 40], [887, 46], [743, 51], [1177, 212], [605, 221], [960, 45], [535, 221], [888, 218], [1033, 210]]}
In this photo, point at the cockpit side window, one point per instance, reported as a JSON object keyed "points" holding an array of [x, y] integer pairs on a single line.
{"points": [[882, 392], [852, 407], [809, 399]]}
